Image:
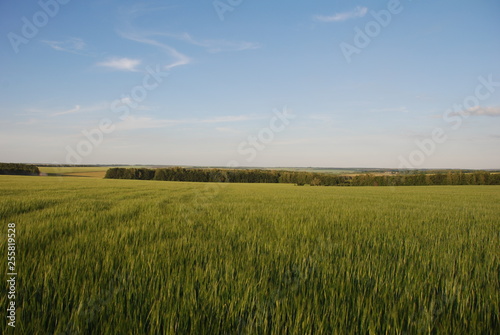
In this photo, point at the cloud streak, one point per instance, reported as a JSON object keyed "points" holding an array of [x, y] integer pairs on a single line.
{"points": [[339, 17], [154, 38], [70, 111], [401, 109], [213, 45], [121, 64], [479, 111], [72, 45], [53, 112], [227, 130], [133, 122], [179, 58], [231, 118]]}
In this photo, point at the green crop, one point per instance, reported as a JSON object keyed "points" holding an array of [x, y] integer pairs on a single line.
{"points": [[146, 257]]}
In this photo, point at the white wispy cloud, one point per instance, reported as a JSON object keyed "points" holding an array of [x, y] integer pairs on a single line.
{"points": [[178, 58], [227, 130], [213, 45], [401, 109], [133, 122], [72, 45], [338, 17], [230, 118], [76, 109], [160, 40], [474, 111], [30, 111], [28, 122], [299, 141], [127, 30], [53, 112], [321, 117], [480, 111], [122, 64]]}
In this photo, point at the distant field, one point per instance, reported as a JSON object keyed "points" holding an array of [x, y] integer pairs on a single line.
{"points": [[94, 171], [144, 257]]}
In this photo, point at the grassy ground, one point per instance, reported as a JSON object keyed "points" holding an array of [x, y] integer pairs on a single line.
{"points": [[144, 257]]}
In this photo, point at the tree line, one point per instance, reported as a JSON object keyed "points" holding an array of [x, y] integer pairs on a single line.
{"points": [[225, 175], [303, 177], [19, 169], [425, 179]]}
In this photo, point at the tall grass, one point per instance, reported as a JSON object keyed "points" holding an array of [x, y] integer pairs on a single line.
{"points": [[145, 257]]}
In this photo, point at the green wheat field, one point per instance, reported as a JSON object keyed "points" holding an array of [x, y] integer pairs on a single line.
{"points": [[97, 256]]}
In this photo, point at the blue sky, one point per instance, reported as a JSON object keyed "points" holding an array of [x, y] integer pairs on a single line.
{"points": [[368, 83]]}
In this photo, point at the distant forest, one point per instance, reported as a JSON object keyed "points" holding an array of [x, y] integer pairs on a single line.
{"points": [[19, 169], [303, 178]]}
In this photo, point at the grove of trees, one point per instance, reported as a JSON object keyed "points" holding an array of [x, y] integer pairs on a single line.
{"points": [[19, 169], [302, 177]]}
